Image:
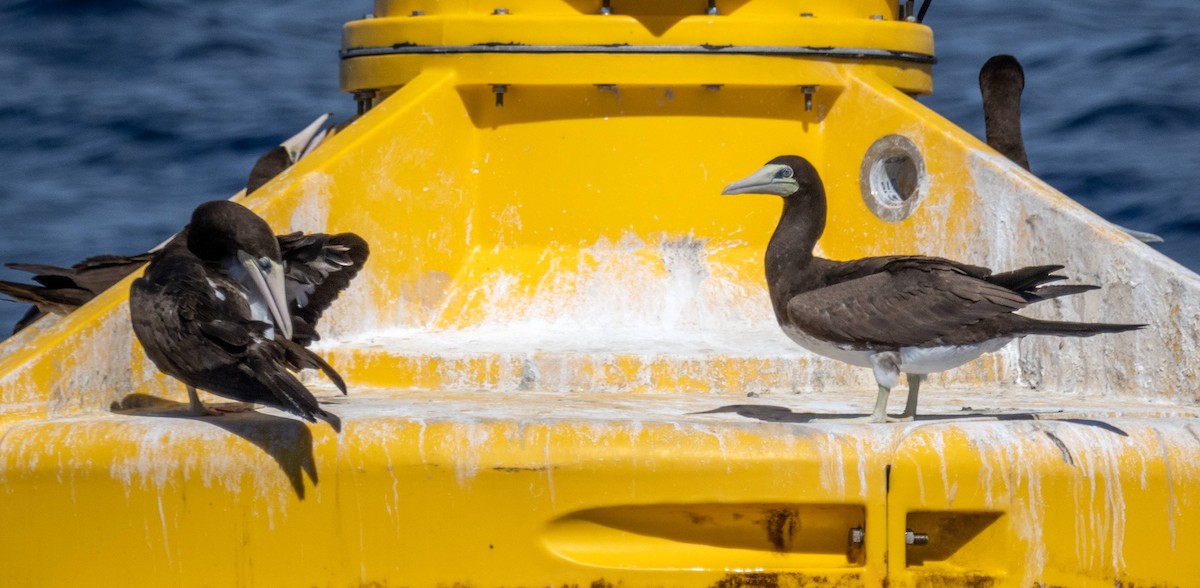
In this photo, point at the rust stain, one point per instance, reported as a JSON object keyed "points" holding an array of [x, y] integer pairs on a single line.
{"points": [[781, 525], [787, 580], [956, 581], [514, 469]]}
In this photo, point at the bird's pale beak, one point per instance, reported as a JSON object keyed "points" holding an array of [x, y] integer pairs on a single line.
{"points": [[771, 179], [271, 285], [299, 144]]}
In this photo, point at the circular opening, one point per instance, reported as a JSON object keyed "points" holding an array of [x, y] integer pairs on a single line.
{"points": [[893, 178]]}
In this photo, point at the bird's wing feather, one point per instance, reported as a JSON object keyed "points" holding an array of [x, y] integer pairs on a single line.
{"points": [[910, 301], [841, 271], [39, 295], [318, 267]]}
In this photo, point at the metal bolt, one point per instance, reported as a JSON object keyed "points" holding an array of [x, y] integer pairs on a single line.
{"points": [[712, 8], [364, 99], [876, 17], [418, 13], [857, 536], [808, 97], [368, 16], [911, 538], [806, 15], [712, 87], [607, 88], [500, 11], [499, 90], [605, 8]]}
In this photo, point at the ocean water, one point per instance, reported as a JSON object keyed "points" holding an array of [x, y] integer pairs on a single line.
{"points": [[119, 116]]}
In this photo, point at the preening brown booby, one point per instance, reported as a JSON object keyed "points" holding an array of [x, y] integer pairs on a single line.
{"points": [[60, 290], [218, 309], [1001, 81], [912, 314]]}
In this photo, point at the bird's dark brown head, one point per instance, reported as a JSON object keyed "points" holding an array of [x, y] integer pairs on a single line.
{"points": [[219, 229], [271, 164], [1002, 73], [785, 176]]}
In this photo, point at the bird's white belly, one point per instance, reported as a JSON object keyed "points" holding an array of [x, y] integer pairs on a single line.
{"points": [[913, 360], [927, 360]]}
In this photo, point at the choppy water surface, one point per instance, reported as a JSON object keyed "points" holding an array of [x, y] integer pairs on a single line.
{"points": [[119, 116]]}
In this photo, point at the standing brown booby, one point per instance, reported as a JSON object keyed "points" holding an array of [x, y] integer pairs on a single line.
{"points": [[911, 314], [1001, 81], [214, 309], [61, 290]]}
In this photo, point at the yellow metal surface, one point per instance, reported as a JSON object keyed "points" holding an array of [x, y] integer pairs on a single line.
{"points": [[551, 347]]}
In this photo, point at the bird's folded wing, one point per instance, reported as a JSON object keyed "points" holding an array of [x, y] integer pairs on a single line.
{"points": [[912, 304], [228, 334]]}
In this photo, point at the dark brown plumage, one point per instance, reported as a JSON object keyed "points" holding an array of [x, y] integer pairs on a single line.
{"points": [[317, 268], [61, 290], [1001, 81], [269, 165], [205, 319], [895, 314]]}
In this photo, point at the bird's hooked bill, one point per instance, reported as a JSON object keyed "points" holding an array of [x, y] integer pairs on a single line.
{"points": [[772, 178], [269, 281]]}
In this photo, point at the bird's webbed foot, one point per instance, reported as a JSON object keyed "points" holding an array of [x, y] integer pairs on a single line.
{"points": [[197, 408]]}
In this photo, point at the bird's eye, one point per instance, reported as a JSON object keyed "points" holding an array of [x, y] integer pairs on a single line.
{"points": [[783, 174], [264, 264]]}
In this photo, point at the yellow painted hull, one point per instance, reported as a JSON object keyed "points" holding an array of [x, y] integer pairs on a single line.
{"points": [[551, 347]]}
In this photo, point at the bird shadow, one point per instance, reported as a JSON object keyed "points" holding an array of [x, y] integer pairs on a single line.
{"points": [[782, 414], [288, 441]]}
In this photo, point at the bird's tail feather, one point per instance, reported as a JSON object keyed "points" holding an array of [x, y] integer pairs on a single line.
{"points": [[1072, 329], [302, 358], [332, 419], [19, 292], [1023, 279], [296, 399], [1049, 292]]}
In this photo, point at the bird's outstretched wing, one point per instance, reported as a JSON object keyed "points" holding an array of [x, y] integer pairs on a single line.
{"points": [[318, 267]]}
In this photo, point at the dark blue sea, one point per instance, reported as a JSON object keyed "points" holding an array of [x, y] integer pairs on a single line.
{"points": [[119, 116]]}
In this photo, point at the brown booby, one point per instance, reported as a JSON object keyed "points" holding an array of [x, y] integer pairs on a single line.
{"points": [[218, 308], [1001, 81], [286, 154], [61, 290], [912, 314]]}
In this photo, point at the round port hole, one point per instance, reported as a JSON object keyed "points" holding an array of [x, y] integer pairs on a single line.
{"points": [[893, 179]]}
